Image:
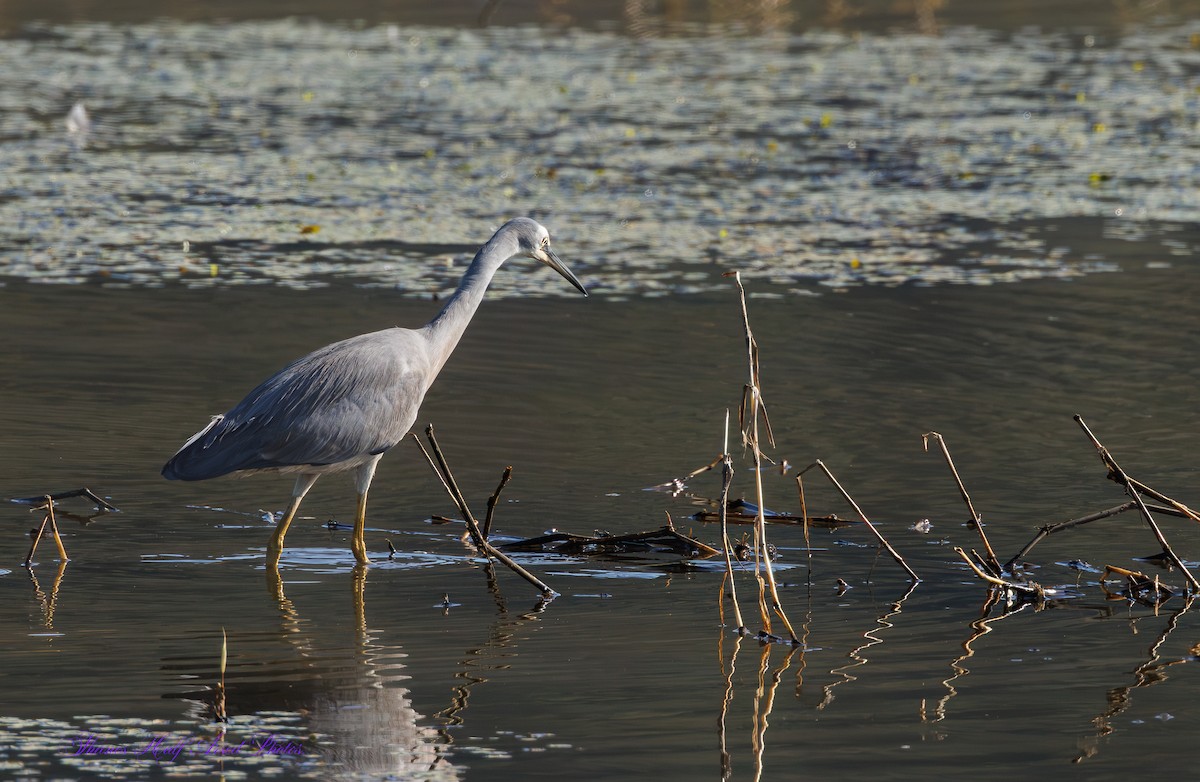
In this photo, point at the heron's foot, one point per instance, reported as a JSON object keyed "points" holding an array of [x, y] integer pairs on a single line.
{"points": [[360, 552]]}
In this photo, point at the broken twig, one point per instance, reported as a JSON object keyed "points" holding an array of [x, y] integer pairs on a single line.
{"points": [[491, 503]]}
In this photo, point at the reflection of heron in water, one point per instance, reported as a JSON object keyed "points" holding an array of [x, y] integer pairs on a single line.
{"points": [[350, 697], [340, 699]]}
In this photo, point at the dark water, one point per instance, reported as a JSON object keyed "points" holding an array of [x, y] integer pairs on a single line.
{"points": [[990, 312]]}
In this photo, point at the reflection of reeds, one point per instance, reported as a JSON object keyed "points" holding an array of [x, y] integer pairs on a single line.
{"points": [[980, 627], [763, 704], [856, 654], [726, 699], [494, 654], [48, 602], [1148, 674]]}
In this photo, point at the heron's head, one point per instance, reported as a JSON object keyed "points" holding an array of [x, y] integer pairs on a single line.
{"points": [[534, 241]]}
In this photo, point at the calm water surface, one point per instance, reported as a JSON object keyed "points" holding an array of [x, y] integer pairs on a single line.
{"points": [[959, 269]]}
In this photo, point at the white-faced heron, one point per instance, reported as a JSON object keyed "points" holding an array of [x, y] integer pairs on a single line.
{"points": [[343, 406]]}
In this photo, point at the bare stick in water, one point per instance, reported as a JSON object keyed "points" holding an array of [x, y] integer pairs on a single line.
{"points": [[37, 537], [62, 495], [976, 521], [47, 521], [804, 515], [62, 550], [676, 485], [882, 540], [491, 503], [1117, 474], [443, 469]]}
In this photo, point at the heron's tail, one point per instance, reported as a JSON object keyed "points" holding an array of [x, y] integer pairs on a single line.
{"points": [[189, 462]]}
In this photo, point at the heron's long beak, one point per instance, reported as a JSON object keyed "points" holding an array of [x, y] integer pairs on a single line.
{"points": [[551, 259]]}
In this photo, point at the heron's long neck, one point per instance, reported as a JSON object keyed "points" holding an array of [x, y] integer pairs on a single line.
{"points": [[445, 330]]}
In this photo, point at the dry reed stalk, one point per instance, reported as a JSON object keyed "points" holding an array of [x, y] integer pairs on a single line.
{"points": [[47, 520], [1034, 590], [878, 535], [804, 515], [443, 470], [1137, 583], [750, 436], [37, 537], [976, 520], [677, 485], [1051, 529], [62, 550], [1117, 474]]}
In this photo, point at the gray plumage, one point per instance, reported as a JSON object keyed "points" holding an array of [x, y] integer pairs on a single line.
{"points": [[343, 406], [351, 399]]}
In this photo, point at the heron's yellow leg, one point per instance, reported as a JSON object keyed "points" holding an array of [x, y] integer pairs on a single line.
{"points": [[275, 548], [362, 481], [281, 528], [357, 544]]}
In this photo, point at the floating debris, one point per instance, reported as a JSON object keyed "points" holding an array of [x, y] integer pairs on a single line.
{"points": [[664, 540], [1138, 587], [740, 511]]}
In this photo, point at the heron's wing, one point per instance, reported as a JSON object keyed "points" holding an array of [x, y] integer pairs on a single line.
{"points": [[345, 401]]}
